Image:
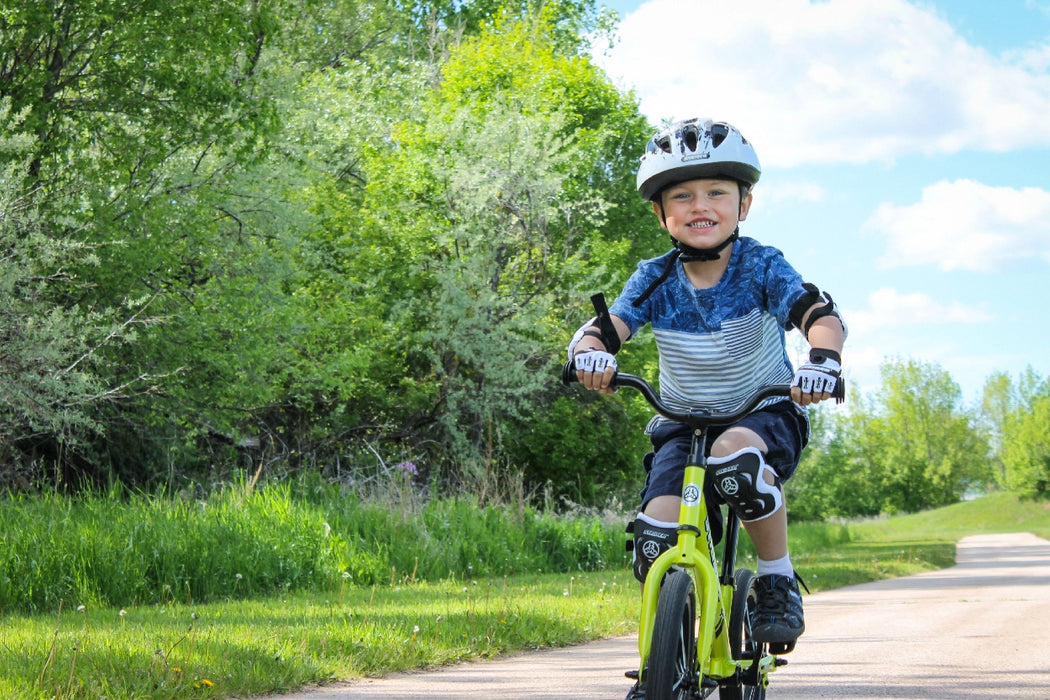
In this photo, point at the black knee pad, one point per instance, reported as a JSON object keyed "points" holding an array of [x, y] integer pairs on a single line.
{"points": [[649, 543], [738, 479]]}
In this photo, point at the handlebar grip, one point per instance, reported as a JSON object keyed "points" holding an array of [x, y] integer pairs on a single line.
{"points": [[568, 373]]}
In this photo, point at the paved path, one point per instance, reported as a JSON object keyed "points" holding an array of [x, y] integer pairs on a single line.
{"points": [[980, 629]]}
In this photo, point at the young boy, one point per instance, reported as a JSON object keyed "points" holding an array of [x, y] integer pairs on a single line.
{"points": [[719, 305]]}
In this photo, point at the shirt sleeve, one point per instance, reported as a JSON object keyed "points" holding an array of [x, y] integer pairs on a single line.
{"points": [[623, 306], [783, 288]]}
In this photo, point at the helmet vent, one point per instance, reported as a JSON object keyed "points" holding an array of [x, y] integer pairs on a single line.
{"points": [[718, 134], [690, 138]]}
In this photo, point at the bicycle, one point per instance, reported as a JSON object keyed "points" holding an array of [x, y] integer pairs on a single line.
{"points": [[691, 646]]}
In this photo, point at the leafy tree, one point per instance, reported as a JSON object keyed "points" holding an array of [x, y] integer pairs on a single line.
{"points": [[50, 379], [498, 218], [909, 447], [1026, 450], [833, 478], [923, 446], [297, 191], [998, 402], [1016, 413]]}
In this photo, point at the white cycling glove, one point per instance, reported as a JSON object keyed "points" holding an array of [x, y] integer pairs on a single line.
{"points": [[578, 336], [594, 361], [822, 373]]}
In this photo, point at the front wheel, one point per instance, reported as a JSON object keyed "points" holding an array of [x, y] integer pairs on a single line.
{"points": [[748, 684], [673, 672]]}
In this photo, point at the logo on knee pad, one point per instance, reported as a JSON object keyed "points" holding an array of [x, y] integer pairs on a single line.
{"points": [[729, 486], [740, 479], [649, 543], [651, 549]]}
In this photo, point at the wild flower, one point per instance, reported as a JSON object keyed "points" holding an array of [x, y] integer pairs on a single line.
{"points": [[407, 468]]}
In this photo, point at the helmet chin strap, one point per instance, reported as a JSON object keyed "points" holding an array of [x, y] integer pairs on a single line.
{"points": [[685, 253], [691, 254]]}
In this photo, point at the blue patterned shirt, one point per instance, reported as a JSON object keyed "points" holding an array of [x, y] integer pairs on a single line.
{"points": [[717, 345]]}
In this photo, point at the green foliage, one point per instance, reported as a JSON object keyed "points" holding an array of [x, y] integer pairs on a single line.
{"points": [[117, 549], [1015, 415], [914, 447], [52, 384], [332, 236], [345, 265], [1026, 450]]}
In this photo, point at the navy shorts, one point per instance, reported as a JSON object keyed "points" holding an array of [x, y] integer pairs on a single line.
{"points": [[783, 426]]}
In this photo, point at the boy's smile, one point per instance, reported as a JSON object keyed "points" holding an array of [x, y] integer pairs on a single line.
{"points": [[702, 213]]}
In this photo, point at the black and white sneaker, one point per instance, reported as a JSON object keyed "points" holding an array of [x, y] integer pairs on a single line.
{"points": [[778, 618], [637, 692]]}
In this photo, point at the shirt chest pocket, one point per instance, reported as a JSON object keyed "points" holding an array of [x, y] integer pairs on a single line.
{"points": [[743, 336]]}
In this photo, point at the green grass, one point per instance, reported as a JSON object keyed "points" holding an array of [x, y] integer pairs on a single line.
{"points": [[167, 644], [276, 644], [116, 550]]}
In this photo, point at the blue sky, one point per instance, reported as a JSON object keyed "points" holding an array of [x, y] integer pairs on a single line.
{"points": [[906, 158]]}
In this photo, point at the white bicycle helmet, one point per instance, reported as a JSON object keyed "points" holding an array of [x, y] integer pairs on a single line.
{"points": [[696, 148]]}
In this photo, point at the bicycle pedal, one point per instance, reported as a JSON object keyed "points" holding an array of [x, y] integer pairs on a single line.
{"points": [[633, 675], [780, 662], [777, 648]]}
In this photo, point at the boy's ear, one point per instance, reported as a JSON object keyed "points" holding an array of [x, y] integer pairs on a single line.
{"points": [[659, 211], [745, 206]]}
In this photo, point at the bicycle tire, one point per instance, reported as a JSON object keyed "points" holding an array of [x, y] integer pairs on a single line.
{"points": [[673, 670], [746, 685]]}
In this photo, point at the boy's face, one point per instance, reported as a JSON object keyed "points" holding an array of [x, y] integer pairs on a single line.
{"points": [[702, 213]]}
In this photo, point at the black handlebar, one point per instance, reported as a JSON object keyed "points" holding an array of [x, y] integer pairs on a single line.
{"points": [[697, 417]]}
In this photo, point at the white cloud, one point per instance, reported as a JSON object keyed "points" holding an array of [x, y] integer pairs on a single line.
{"points": [[899, 325], [838, 81], [966, 225], [890, 308]]}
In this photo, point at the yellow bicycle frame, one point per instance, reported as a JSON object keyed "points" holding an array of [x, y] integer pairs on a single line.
{"points": [[713, 646]]}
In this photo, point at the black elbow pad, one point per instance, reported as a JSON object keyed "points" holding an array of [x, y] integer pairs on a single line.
{"points": [[811, 297]]}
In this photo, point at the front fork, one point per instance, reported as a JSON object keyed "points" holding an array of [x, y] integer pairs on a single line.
{"points": [[713, 630]]}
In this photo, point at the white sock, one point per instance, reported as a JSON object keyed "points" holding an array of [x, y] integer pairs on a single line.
{"points": [[656, 523], [780, 566]]}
